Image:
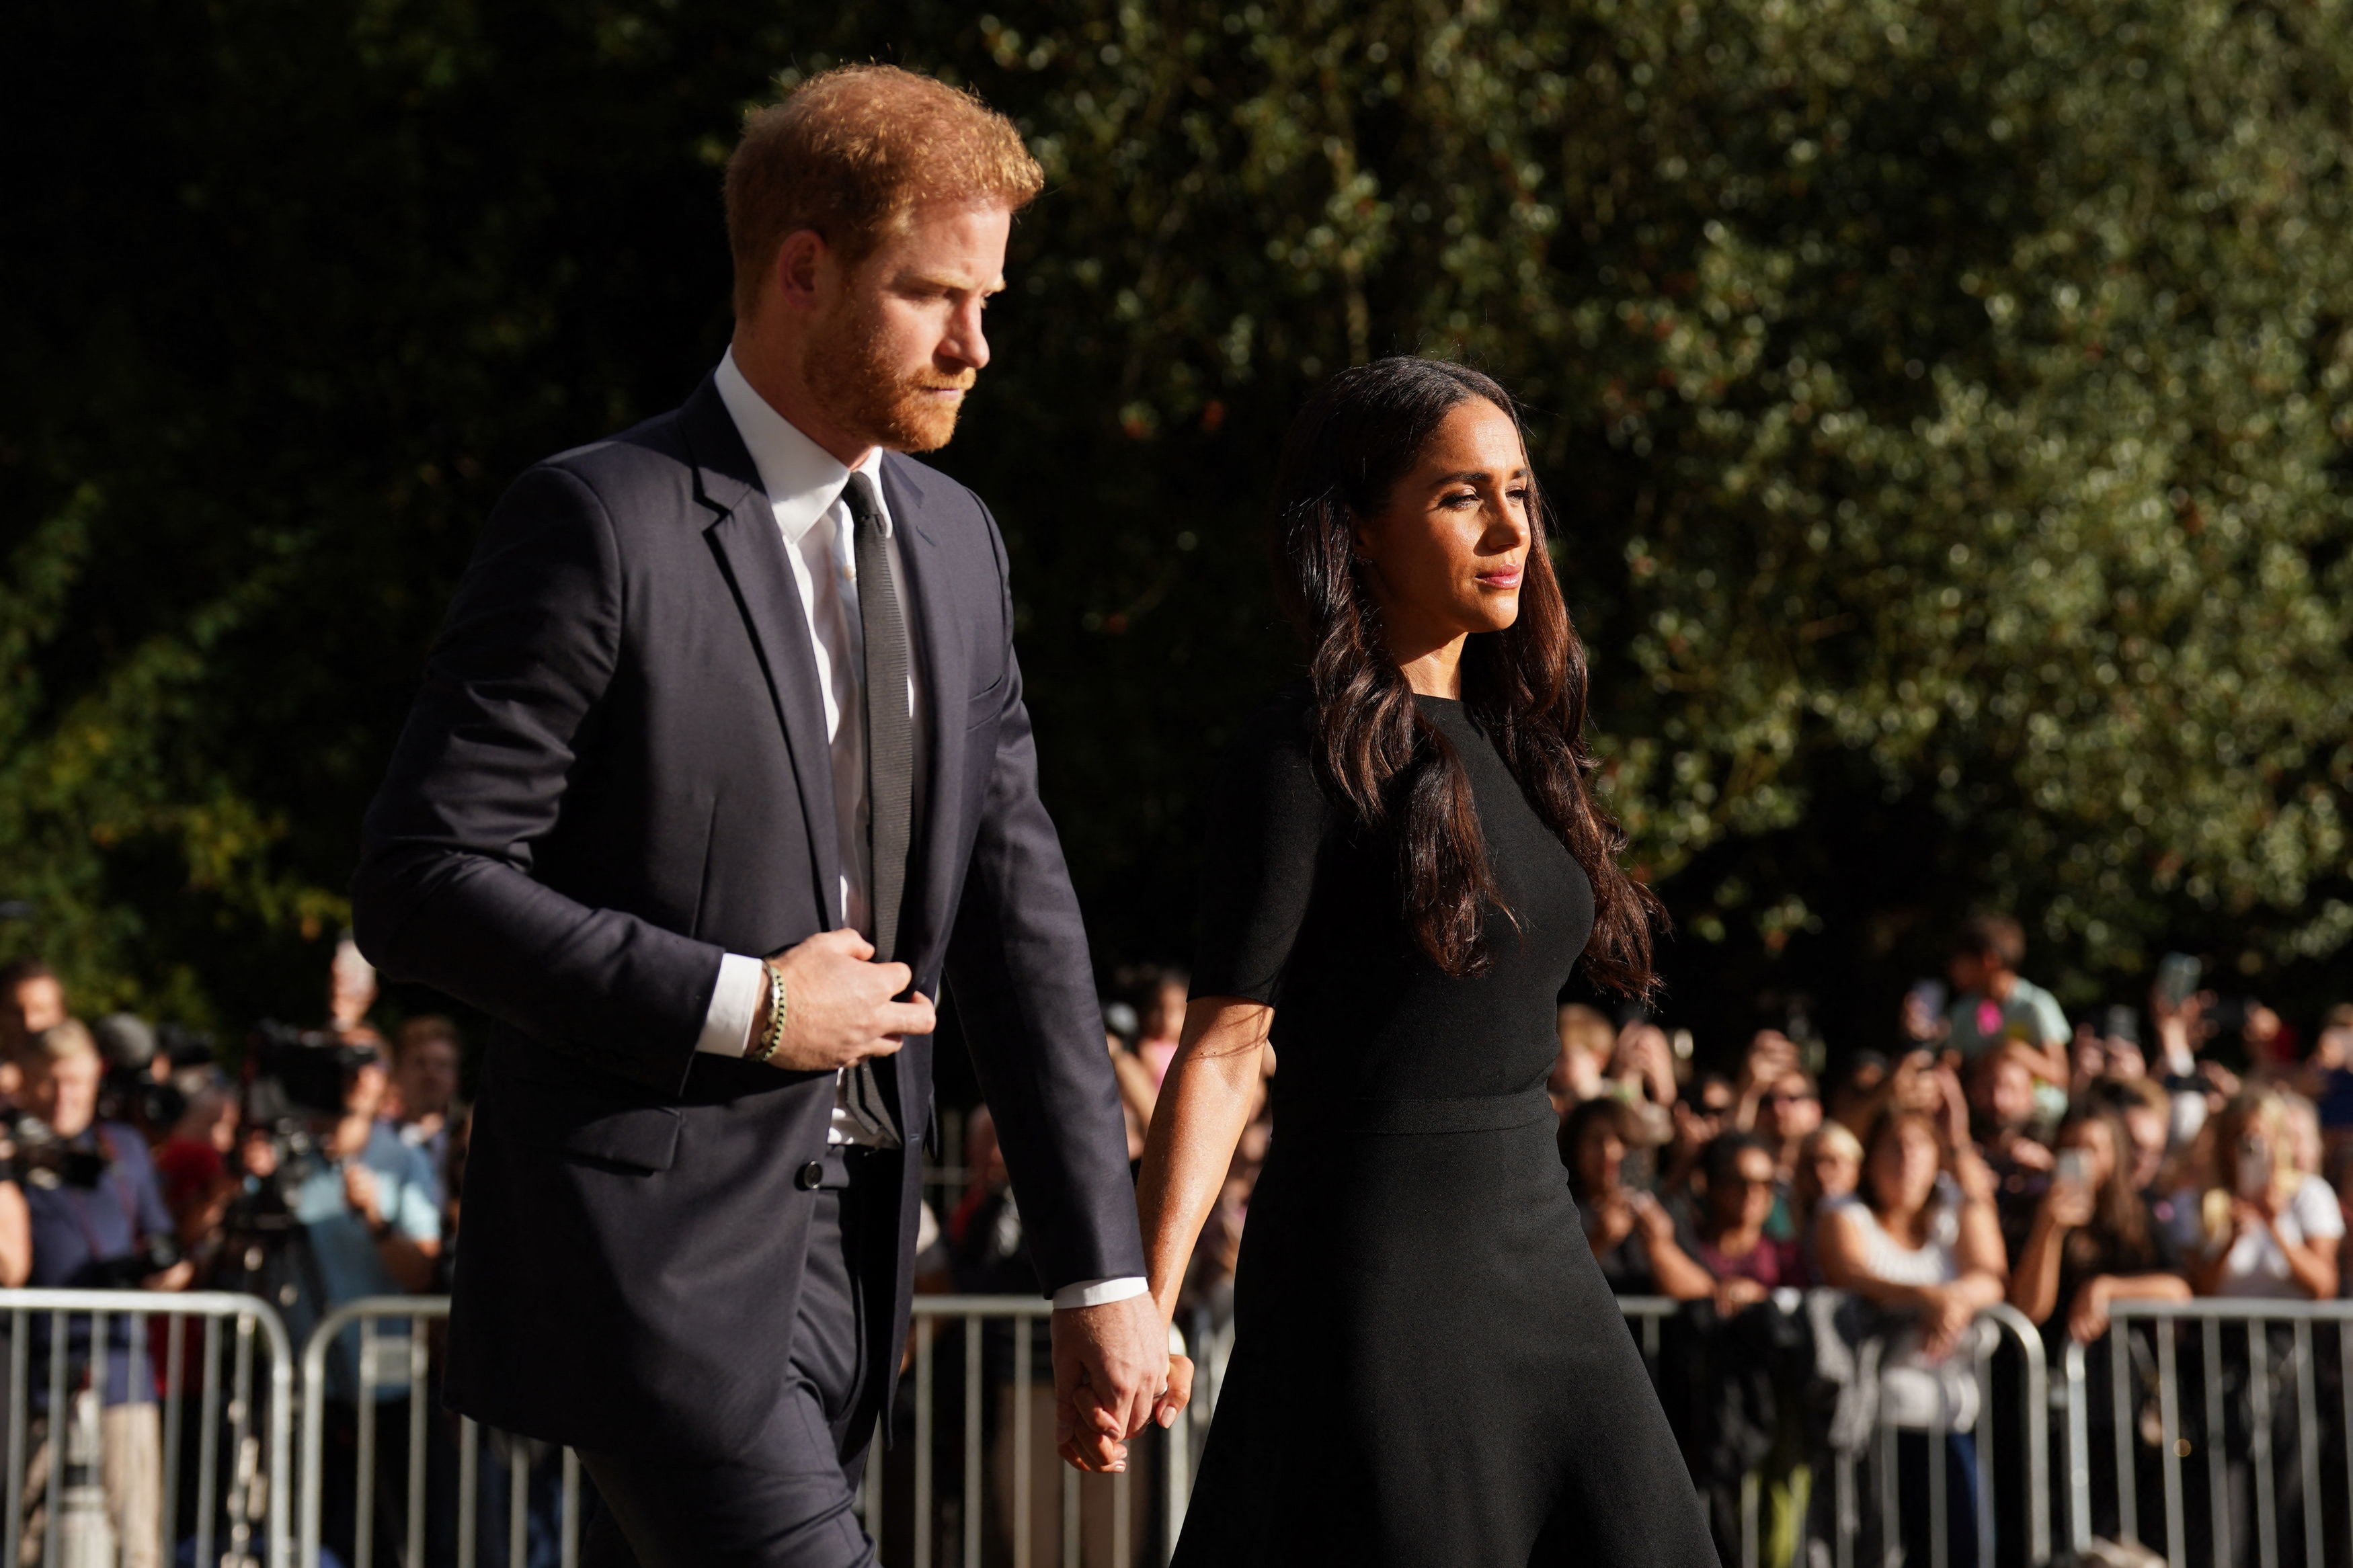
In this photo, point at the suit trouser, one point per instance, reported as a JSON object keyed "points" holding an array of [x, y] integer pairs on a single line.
{"points": [[792, 1508]]}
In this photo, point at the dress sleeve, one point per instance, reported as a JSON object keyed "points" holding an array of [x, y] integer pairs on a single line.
{"points": [[1258, 865]]}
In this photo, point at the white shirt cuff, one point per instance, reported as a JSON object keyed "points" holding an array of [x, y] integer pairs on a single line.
{"points": [[1098, 1292], [734, 1003]]}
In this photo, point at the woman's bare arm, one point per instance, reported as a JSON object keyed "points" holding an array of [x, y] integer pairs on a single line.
{"points": [[1204, 1102]]}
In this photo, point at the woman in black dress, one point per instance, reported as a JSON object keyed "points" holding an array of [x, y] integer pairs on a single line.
{"points": [[1404, 867]]}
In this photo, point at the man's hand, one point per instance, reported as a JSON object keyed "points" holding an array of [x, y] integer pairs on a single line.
{"points": [[840, 1007], [359, 1190], [1110, 1372]]}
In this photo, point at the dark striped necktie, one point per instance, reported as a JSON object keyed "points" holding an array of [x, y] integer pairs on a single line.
{"points": [[889, 743]]}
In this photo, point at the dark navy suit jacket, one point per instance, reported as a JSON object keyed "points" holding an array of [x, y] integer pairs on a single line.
{"points": [[617, 770]]}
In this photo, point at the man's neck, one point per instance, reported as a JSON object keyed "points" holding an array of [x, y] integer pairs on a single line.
{"points": [[1999, 984], [773, 371]]}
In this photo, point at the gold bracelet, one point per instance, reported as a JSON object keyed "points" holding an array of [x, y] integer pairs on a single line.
{"points": [[773, 1035]]}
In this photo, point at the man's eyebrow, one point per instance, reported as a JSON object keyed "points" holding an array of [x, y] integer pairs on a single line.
{"points": [[950, 285]]}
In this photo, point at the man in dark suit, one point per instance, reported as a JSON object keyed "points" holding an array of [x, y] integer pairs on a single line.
{"points": [[741, 682]]}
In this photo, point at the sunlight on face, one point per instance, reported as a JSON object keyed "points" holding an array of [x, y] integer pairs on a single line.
{"points": [[900, 340], [1446, 557]]}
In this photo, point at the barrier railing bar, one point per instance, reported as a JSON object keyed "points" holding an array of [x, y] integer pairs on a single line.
{"points": [[2168, 1406], [208, 1440], [568, 1547], [174, 1404], [1025, 1350], [20, 1336], [518, 1501], [414, 1556], [923, 1510], [364, 1482], [972, 1440], [2307, 1439], [1069, 1518], [54, 1480], [2260, 1410], [469, 1482], [2224, 1541]]}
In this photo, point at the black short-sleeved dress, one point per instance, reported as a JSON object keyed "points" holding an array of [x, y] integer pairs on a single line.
{"points": [[1428, 1371]]}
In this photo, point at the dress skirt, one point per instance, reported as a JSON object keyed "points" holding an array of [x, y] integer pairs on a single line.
{"points": [[1427, 1369]]}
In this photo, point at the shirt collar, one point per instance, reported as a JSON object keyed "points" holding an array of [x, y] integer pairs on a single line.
{"points": [[802, 478]]}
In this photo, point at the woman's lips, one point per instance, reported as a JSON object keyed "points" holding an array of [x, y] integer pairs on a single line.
{"points": [[1509, 577]]}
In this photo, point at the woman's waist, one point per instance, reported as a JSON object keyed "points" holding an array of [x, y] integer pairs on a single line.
{"points": [[1311, 1112]]}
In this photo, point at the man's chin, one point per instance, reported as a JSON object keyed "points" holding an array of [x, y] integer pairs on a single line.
{"points": [[919, 428]]}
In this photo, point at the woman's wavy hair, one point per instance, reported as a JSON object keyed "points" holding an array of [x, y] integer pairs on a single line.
{"points": [[1524, 686]]}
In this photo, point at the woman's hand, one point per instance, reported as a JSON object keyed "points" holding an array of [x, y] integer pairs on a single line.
{"points": [[1945, 1317], [2088, 1315], [1737, 1295], [1171, 1404], [1652, 1215], [2068, 1205]]}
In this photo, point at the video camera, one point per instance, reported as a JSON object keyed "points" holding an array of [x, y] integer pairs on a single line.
{"points": [[41, 1157]]}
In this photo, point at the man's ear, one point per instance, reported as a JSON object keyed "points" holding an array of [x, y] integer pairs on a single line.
{"points": [[801, 271]]}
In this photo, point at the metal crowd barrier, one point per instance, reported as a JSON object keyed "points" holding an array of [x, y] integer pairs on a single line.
{"points": [[401, 1364], [971, 1478], [960, 1484], [89, 1470], [943, 1495], [1851, 1481], [2235, 1441]]}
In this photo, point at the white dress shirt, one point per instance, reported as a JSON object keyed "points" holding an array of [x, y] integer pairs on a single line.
{"points": [[804, 483]]}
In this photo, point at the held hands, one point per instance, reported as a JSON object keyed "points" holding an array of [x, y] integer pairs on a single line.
{"points": [[839, 1007], [1113, 1373]]}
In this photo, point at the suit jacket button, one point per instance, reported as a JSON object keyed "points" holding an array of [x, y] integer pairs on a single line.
{"points": [[812, 1176]]}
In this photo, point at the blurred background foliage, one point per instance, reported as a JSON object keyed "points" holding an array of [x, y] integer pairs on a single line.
{"points": [[1945, 408]]}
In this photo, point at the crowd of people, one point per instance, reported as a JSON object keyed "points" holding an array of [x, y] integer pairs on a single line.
{"points": [[327, 1169], [1996, 1153], [1989, 1150]]}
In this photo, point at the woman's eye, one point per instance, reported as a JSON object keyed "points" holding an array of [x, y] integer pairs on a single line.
{"points": [[1456, 503]]}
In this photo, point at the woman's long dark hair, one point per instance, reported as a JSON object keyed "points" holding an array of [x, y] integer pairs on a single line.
{"points": [[1524, 686]]}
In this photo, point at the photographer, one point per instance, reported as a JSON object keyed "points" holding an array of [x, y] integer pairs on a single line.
{"points": [[98, 1222], [365, 1220]]}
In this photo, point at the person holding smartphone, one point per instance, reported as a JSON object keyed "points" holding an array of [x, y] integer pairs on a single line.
{"points": [[2257, 1226], [2095, 1240]]}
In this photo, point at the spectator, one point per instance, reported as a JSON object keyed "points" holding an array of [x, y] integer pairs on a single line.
{"points": [[1771, 1055], [1830, 1163], [1162, 1022], [2327, 1077], [1729, 1239], [32, 999], [423, 1099], [1992, 1003], [98, 1221], [1920, 1237], [2146, 1113], [1587, 1044], [1788, 1113], [2256, 1225], [1632, 1238], [367, 1223], [2094, 1238], [2005, 1128], [1854, 1097]]}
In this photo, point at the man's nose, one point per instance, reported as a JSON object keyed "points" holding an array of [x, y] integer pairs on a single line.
{"points": [[965, 344]]}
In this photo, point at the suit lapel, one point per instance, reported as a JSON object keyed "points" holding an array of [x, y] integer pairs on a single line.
{"points": [[752, 554], [944, 662]]}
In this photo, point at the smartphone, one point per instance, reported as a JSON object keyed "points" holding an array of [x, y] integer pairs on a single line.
{"points": [[2255, 1169], [2176, 977], [2071, 1169], [1929, 996]]}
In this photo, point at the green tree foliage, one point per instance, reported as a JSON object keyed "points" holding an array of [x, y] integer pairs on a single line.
{"points": [[1945, 406]]}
